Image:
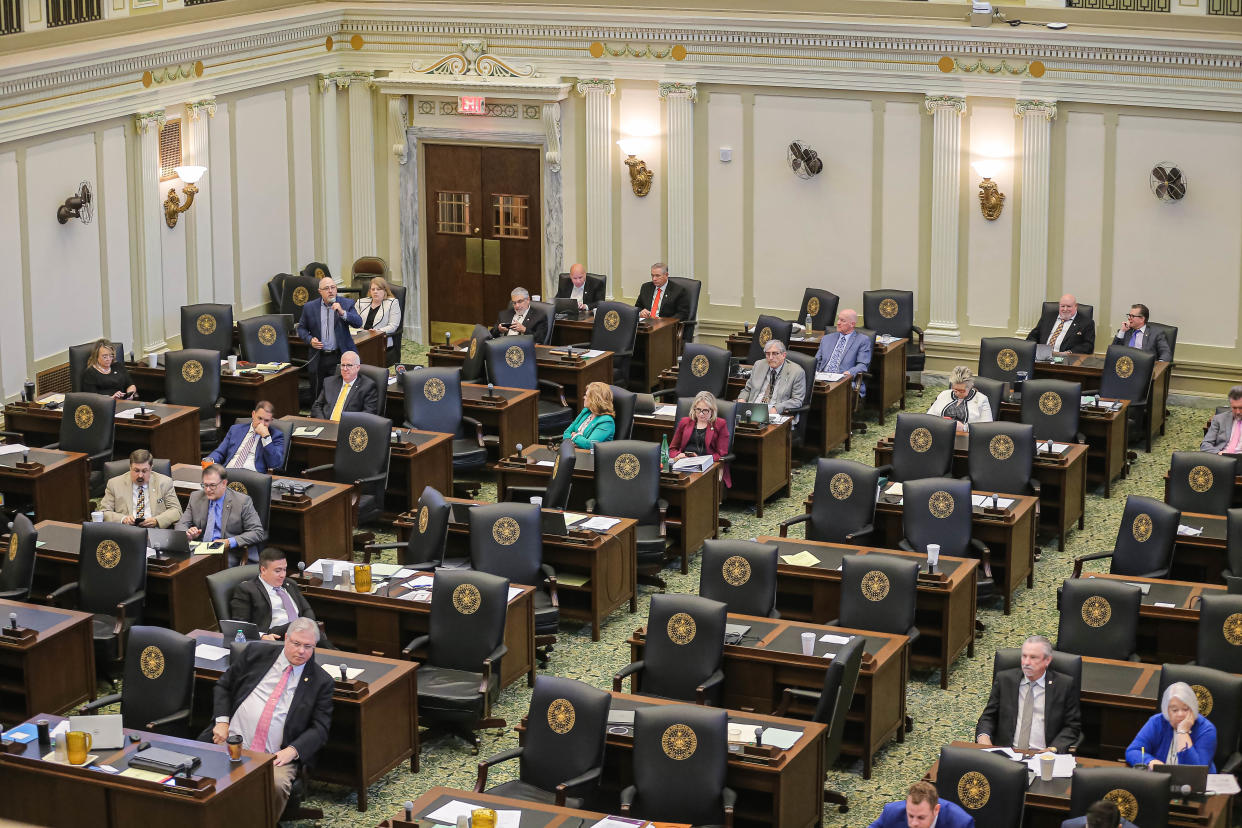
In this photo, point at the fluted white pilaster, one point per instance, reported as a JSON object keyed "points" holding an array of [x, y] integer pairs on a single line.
{"points": [[361, 165], [601, 157], [681, 98], [198, 226], [330, 164], [1033, 251], [151, 225], [946, 112]]}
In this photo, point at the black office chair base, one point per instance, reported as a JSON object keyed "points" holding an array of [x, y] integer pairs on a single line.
{"points": [[469, 490], [838, 799], [652, 579], [470, 737], [909, 724], [301, 813]]}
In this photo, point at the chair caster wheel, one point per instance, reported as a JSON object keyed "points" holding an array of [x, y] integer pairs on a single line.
{"points": [[843, 809]]}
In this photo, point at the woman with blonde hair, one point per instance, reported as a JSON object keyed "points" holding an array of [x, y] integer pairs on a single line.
{"points": [[962, 401], [703, 432], [379, 309], [1177, 735], [596, 422], [104, 375]]}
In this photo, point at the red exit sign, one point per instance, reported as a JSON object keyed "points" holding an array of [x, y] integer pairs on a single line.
{"points": [[470, 105]]}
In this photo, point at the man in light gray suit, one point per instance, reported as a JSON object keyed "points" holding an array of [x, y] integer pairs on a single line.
{"points": [[218, 513], [781, 386], [1224, 435]]}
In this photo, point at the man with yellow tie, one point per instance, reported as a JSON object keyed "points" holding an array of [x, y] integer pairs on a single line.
{"points": [[349, 392]]}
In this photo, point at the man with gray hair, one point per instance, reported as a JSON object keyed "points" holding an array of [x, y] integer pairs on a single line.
{"points": [[662, 298], [520, 318], [1032, 707], [781, 386], [1224, 435]]}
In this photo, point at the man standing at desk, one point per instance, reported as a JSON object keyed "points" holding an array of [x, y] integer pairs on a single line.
{"points": [[348, 392], [218, 513], [1065, 329], [325, 324], [255, 445], [662, 298], [141, 497], [587, 290], [844, 351], [1224, 435], [781, 386], [520, 318], [1032, 707], [1135, 333], [279, 701]]}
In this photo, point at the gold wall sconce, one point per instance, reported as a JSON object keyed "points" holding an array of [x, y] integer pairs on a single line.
{"points": [[172, 205], [991, 199], [640, 174]]}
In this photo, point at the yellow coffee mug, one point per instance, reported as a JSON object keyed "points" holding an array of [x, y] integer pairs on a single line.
{"points": [[362, 578], [77, 745], [482, 818]]}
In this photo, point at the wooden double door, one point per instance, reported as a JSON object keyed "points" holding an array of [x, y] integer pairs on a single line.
{"points": [[484, 229]]}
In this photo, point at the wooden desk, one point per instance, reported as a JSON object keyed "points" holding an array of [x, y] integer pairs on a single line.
{"points": [[763, 466], [1203, 557], [55, 671], [1010, 537], [656, 345], [514, 421], [370, 735], [1087, 369], [383, 624], [372, 348], [69, 796], [887, 385], [1167, 634], [59, 491], [173, 437], [574, 375], [1105, 433], [693, 508], [1048, 803], [240, 391], [1062, 482], [944, 610], [533, 813], [608, 562], [422, 458], [176, 591], [770, 658], [322, 528]]}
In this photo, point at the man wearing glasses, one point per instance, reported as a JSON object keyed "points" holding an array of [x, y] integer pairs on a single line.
{"points": [[325, 324], [1135, 333], [782, 387], [223, 517]]}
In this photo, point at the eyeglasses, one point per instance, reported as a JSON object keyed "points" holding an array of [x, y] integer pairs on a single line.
{"points": [[1135, 315], [702, 411], [215, 485]]}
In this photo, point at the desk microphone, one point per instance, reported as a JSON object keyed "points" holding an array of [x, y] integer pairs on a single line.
{"points": [[409, 811], [12, 620], [344, 673], [758, 736], [447, 338]]}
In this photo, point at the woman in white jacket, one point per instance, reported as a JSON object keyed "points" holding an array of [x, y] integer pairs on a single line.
{"points": [[380, 310], [962, 402]]}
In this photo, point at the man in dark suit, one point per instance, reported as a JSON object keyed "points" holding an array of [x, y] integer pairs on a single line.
{"points": [[1065, 329], [279, 700], [1224, 434], [1135, 333], [220, 514], [588, 290], [254, 445], [1032, 707], [662, 298], [270, 601], [351, 391], [325, 324], [520, 318]]}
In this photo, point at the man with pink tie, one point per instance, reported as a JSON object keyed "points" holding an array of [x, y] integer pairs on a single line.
{"points": [[1224, 435]]}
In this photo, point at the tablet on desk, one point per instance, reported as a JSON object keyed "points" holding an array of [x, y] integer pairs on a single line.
{"points": [[229, 630]]}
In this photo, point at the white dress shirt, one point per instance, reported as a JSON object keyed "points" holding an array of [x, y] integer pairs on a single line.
{"points": [[246, 720], [576, 293], [517, 320], [247, 462], [1056, 343], [1038, 737], [279, 616]]}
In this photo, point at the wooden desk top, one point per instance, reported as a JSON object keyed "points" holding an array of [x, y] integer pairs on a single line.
{"points": [[1021, 506], [63, 539], [50, 458], [956, 570], [1086, 412], [816, 337], [247, 374], [187, 478], [534, 814], [164, 411], [1215, 530], [48, 621], [586, 321], [670, 421], [458, 521], [584, 467], [472, 394], [737, 382], [394, 596], [409, 436], [961, 447], [1181, 596], [550, 355]]}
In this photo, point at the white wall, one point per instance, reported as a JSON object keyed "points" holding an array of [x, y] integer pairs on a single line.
{"points": [[724, 265], [261, 166], [642, 224]]}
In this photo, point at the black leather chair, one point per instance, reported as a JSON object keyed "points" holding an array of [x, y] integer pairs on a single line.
{"points": [[220, 586], [1052, 407], [258, 487], [1145, 540], [1010, 658], [510, 363], [939, 510], [741, 575], [694, 289], [821, 305], [296, 292], [379, 376], [111, 585], [192, 377], [116, 468], [158, 689], [1200, 481], [1142, 796], [78, 357], [208, 327], [627, 484], [1098, 618], [18, 562], [361, 458], [683, 653], [615, 329], [994, 391], [88, 425], [473, 368], [265, 339], [275, 289], [988, 787], [702, 368], [562, 751], [424, 550], [1002, 357], [556, 494], [1083, 309], [1233, 564], [506, 539], [806, 362], [891, 313], [433, 403], [832, 704], [624, 403], [459, 679], [1170, 333], [878, 593], [766, 329], [1127, 376], [549, 313], [1002, 457], [680, 759], [1219, 643], [843, 505], [1220, 702], [922, 447]]}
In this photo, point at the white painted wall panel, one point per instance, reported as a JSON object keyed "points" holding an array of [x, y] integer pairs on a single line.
{"points": [[724, 218], [569, 183], [113, 205], [1084, 208], [221, 170], [303, 182], [642, 224], [174, 252], [902, 201], [262, 171], [989, 262], [13, 331]]}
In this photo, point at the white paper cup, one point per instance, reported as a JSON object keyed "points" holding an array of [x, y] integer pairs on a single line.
{"points": [[96, 517], [536, 501], [153, 360], [233, 363], [808, 644], [1046, 763], [933, 553]]}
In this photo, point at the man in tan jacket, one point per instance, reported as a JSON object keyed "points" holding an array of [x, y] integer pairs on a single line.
{"points": [[142, 497]]}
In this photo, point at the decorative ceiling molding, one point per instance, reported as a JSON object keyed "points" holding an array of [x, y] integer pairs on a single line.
{"points": [[471, 60]]}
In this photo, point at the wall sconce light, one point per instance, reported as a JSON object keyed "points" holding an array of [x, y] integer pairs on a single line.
{"points": [[991, 199], [640, 175], [172, 205]]}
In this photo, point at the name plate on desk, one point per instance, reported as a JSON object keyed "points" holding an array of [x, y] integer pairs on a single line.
{"points": [[673, 477], [18, 636], [351, 688], [936, 578], [749, 428], [29, 468], [514, 462], [199, 786], [403, 449], [149, 417], [295, 498]]}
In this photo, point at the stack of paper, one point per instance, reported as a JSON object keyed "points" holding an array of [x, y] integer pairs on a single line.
{"points": [[1189, 531], [665, 411], [448, 814], [209, 652], [828, 376], [303, 431], [699, 463], [803, 558]]}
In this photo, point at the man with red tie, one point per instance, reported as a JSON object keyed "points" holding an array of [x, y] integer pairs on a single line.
{"points": [[662, 298], [279, 701], [1224, 435]]}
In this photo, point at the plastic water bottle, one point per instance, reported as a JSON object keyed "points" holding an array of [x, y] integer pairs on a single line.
{"points": [[807, 332], [664, 452], [239, 637]]}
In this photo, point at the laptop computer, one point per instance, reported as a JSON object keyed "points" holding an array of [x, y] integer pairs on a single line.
{"points": [[172, 543], [1193, 775], [734, 633], [554, 523], [565, 308], [1043, 352], [229, 628], [756, 413], [106, 731]]}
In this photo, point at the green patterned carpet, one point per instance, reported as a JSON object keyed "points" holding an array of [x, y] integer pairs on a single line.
{"points": [[941, 716]]}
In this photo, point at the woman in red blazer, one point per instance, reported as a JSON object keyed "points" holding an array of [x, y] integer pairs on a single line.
{"points": [[702, 433]]}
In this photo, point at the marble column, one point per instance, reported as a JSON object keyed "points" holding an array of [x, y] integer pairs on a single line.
{"points": [[601, 157], [151, 226], [198, 227], [946, 112], [361, 166], [330, 164], [680, 98], [553, 205], [1033, 251]]}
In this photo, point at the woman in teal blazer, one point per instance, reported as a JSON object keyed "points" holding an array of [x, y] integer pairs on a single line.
{"points": [[595, 422]]}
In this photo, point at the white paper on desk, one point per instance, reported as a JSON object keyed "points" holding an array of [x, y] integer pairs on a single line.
{"points": [[545, 463], [513, 593], [1165, 605], [192, 485], [51, 398], [592, 354], [986, 500], [741, 734], [334, 670], [803, 558], [1009, 753], [129, 413], [1223, 783], [884, 339], [599, 524], [894, 489], [698, 463], [829, 638], [210, 652], [392, 380], [449, 813], [1062, 767], [619, 822], [1057, 448], [12, 448], [1189, 531], [205, 548], [783, 739], [573, 517], [420, 582], [303, 431], [828, 376], [664, 411], [316, 568], [387, 570], [777, 419]]}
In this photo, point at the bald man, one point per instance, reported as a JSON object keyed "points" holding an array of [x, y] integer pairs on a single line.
{"points": [[588, 290], [325, 324], [1065, 329]]}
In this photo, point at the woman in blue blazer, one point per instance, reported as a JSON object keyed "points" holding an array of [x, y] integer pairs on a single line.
{"points": [[1177, 735], [595, 422]]}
